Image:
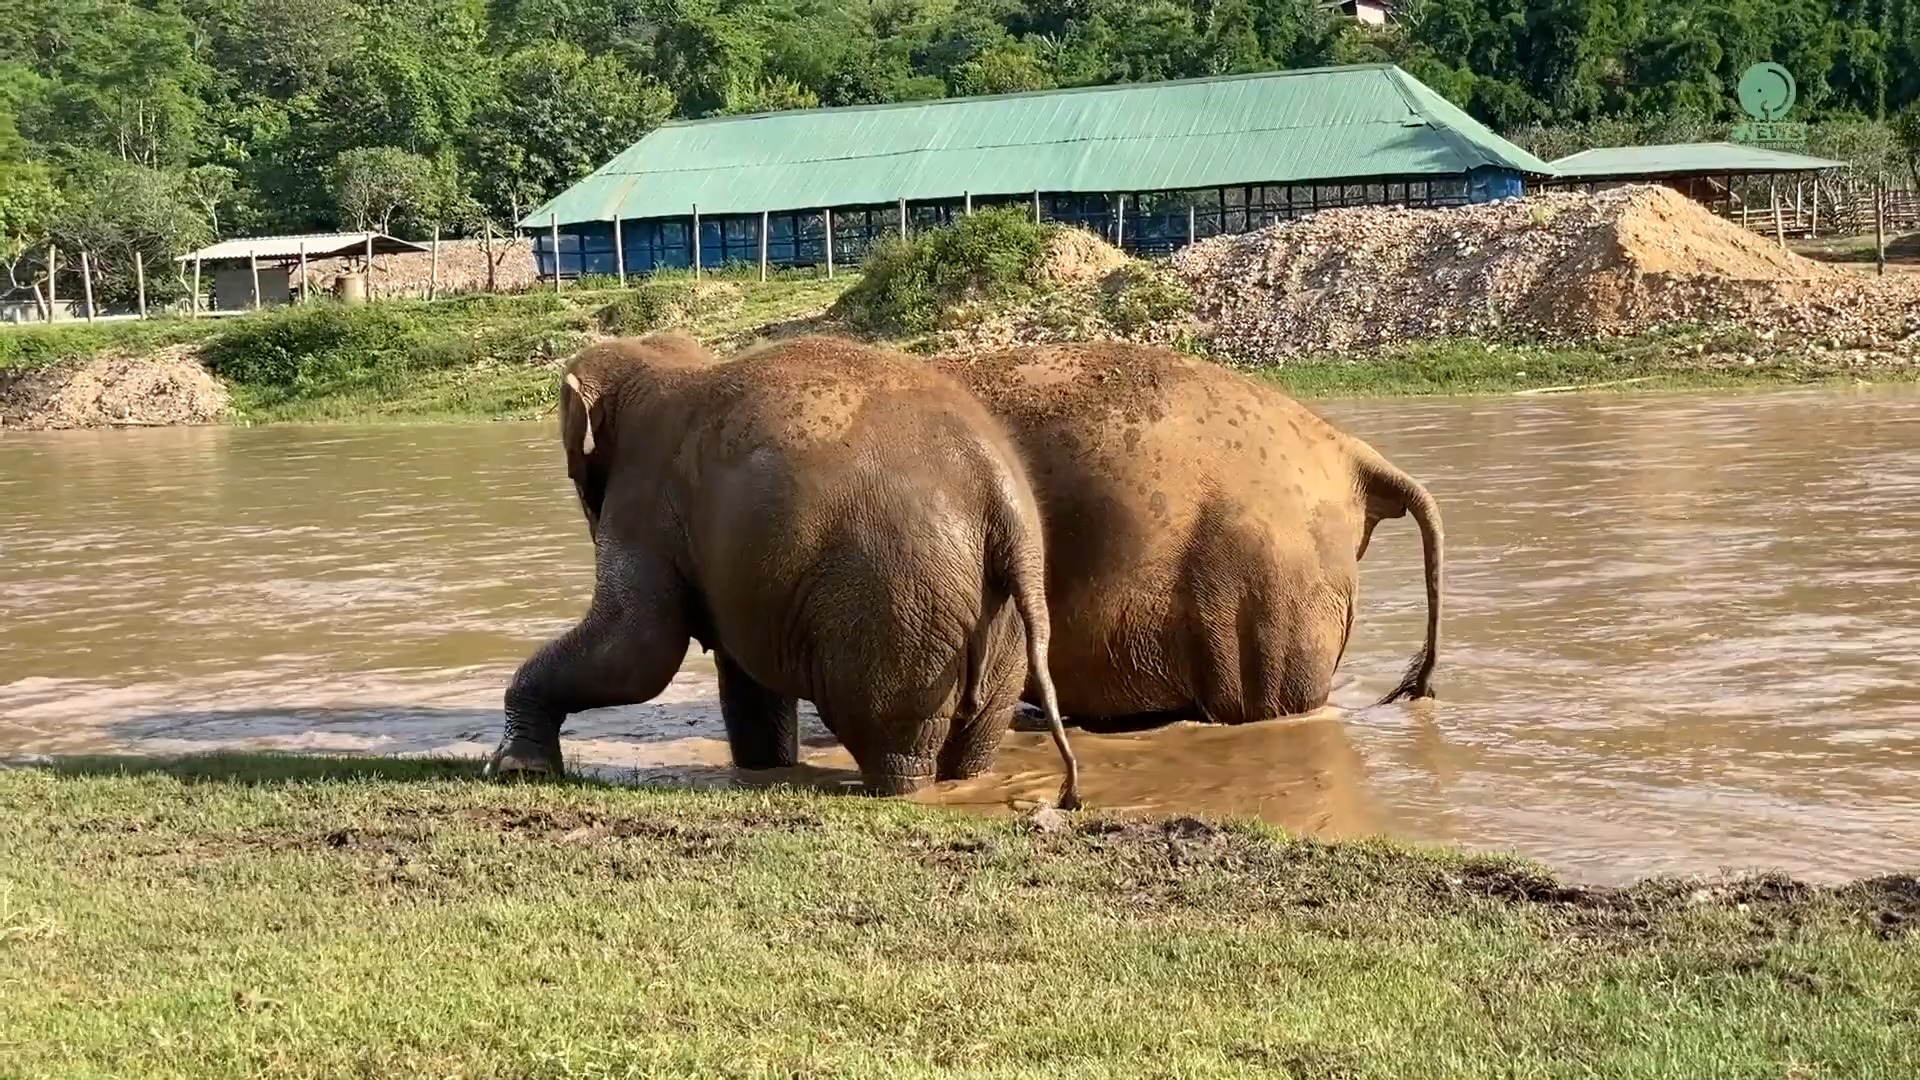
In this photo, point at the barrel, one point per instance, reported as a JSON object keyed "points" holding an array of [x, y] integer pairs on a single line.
{"points": [[350, 287]]}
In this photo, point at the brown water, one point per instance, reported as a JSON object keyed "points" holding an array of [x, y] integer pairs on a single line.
{"points": [[1683, 633]]}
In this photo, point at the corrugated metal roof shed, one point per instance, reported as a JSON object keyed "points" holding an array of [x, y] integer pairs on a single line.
{"points": [[318, 246], [1684, 159], [1320, 124]]}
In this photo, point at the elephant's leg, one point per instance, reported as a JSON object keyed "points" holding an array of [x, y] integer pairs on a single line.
{"points": [[971, 744], [974, 738], [624, 652], [895, 758], [763, 728]]}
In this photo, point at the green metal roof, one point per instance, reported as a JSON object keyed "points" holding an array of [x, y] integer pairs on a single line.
{"points": [[1320, 124], [1679, 159]]}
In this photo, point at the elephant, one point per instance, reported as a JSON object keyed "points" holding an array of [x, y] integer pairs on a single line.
{"points": [[1203, 530], [833, 522]]}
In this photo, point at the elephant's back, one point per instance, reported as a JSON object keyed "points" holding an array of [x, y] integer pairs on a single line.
{"points": [[820, 395], [854, 492], [1133, 425]]}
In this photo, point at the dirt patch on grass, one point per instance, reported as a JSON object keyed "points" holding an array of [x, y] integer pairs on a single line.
{"points": [[163, 388], [1188, 862]]}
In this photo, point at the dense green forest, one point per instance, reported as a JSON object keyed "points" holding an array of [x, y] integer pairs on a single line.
{"points": [[155, 124]]}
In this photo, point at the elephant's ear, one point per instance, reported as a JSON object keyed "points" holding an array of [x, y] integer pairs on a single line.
{"points": [[581, 411]]}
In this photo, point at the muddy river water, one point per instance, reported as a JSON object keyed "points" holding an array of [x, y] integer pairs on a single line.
{"points": [[1683, 633]]}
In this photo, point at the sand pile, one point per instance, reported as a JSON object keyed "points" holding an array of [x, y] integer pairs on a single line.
{"points": [[1556, 265], [1076, 255], [168, 387]]}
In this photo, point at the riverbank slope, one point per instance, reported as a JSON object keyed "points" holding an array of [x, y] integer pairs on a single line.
{"points": [[491, 358], [229, 916]]}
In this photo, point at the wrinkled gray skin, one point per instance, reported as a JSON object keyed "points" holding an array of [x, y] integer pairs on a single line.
{"points": [[1204, 533], [833, 522]]}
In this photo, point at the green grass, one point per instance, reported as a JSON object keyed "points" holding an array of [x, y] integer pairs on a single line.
{"points": [[297, 917], [1901, 248], [1656, 362], [31, 346]]}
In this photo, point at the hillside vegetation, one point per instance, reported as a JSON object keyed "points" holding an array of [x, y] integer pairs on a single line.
{"points": [[135, 126]]}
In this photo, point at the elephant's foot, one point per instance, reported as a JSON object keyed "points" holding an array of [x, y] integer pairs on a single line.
{"points": [[525, 759]]}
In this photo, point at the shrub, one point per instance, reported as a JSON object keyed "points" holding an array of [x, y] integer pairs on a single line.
{"points": [[907, 286], [1140, 295], [280, 347], [653, 304]]}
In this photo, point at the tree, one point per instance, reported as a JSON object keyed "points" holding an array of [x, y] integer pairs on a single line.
{"points": [[1907, 128], [113, 209], [559, 115], [373, 184]]}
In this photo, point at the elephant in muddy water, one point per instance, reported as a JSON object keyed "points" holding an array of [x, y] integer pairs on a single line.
{"points": [[1203, 530], [833, 522]]}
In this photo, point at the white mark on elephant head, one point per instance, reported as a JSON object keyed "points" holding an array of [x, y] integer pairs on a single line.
{"points": [[586, 412]]}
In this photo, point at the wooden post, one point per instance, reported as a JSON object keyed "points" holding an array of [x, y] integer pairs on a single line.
{"points": [[693, 245], [1120, 224], [1193, 234], [369, 289], [46, 309], [1779, 229], [966, 204], [253, 266], [763, 246], [828, 212], [1880, 224], [433, 267], [1813, 229], [619, 252], [903, 218], [553, 238], [86, 281], [140, 281], [1036, 208], [306, 290], [53, 272], [196, 286]]}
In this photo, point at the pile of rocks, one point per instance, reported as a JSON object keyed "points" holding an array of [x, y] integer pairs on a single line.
{"points": [[1556, 266]]}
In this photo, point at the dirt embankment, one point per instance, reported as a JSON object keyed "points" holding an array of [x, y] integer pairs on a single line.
{"points": [[163, 388], [1555, 266]]}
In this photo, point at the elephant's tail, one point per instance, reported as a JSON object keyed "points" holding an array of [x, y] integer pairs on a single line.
{"points": [[1025, 577], [1391, 493]]}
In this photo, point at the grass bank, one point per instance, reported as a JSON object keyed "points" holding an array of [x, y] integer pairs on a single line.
{"points": [[468, 357], [494, 357], [1667, 361], [310, 917]]}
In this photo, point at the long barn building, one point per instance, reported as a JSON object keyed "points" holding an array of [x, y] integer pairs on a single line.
{"points": [[1151, 166]]}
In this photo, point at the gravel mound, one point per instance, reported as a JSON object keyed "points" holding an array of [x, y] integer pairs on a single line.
{"points": [[167, 387], [1076, 255], [1555, 266]]}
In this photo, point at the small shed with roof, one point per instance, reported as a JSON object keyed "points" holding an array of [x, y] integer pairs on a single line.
{"points": [[258, 271], [1704, 171], [1151, 166]]}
